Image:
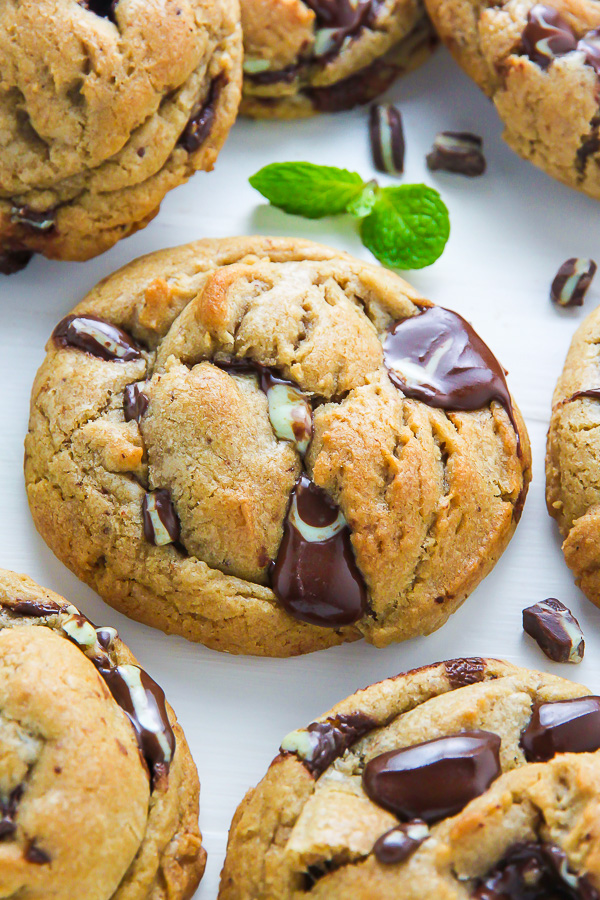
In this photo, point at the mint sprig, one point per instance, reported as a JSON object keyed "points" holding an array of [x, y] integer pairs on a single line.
{"points": [[405, 227]]}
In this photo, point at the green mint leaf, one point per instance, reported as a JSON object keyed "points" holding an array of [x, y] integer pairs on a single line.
{"points": [[364, 203], [408, 226], [305, 189]]}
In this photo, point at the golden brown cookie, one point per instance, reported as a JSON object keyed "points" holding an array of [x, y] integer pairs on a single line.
{"points": [[308, 56], [470, 778], [573, 454], [271, 447], [104, 107], [98, 791], [540, 63]]}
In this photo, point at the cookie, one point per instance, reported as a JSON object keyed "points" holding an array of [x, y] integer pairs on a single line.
{"points": [[104, 107], [223, 444], [98, 791], [302, 58], [573, 454], [470, 778], [540, 63]]}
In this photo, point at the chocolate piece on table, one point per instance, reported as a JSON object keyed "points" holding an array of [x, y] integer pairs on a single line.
{"points": [[555, 629], [572, 281], [135, 402], [323, 742], [97, 337], [400, 842], [161, 525], [457, 151], [434, 779], [531, 871], [562, 726], [547, 35], [13, 261], [387, 138], [315, 575]]}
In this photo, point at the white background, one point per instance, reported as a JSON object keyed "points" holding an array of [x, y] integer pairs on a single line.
{"points": [[511, 229]]}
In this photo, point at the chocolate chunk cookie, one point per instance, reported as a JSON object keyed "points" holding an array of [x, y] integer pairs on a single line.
{"points": [[308, 56], [465, 779], [572, 454], [271, 447], [540, 63], [104, 107], [98, 791]]}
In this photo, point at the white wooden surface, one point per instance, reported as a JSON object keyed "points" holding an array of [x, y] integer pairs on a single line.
{"points": [[510, 231]]}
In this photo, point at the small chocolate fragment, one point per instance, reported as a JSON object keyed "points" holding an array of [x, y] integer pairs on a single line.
{"points": [[135, 402], [590, 45], [104, 8], [35, 608], [143, 701], [201, 122], [161, 525], [555, 629], [572, 281], [97, 337], [531, 871], [562, 726], [39, 221], [12, 261], [337, 20], [462, 672], [434, 779], [400, 842], [315, 575], [436, 357], [8, 811], [323, 742], [36, 855], [387, 138], [457, 151]]}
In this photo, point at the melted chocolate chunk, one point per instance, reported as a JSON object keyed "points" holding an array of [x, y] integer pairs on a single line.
{"points": [[161, 525], [8, 811], [572, 281], [562, 726], [531, 871], [143, 701], [278, 76], [104, 8], [459, 152], [324, 742], [400, 842], [355, 90], [39, 221], [547, 35], [13, 261], [106, 637], [35, 608], [590, 45], [555, 629], [201, 122], [434, 779], [97, 337], [135, 402], [436, 357], [336, 21], [387, 138], [462, 672], [315, 575], [36, 855], [591, 393]]}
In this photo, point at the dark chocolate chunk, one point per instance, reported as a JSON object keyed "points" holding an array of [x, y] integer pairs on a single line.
{"points": [[135, 402], [591, 393], [438, 358], [39, 221], [323, 742], [354, 90], [161, 525], [556, 630], [572, 281], [143, 701], [317, 871], [36, 855], [106, 637], [336, 21], [400, 842], [387, 138], [315, 575], [8, 811], [562, 726], [201, 121], [97, 337], [277, 76], [462, 672], [590, 45], [531, 871], [457, 151], [35, 608], [434, 779], [589, 146], [104, 8], [12, 261], [547, 35]]}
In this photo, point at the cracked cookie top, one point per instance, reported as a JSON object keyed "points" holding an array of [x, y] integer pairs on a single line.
{"points": [[271, 447], [540, 62], [93, 762], [465, 779], [100, 100]]}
